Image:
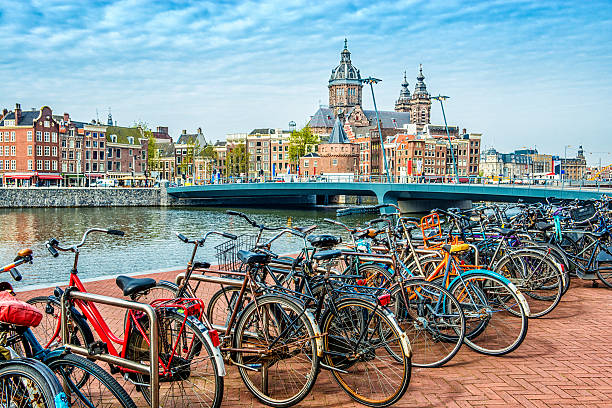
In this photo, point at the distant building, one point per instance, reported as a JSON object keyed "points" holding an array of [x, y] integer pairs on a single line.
{"points": [[337, 157], [268, 152]]}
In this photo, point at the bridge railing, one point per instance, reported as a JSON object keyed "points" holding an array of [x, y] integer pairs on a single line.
{"points": [[528, 182]]}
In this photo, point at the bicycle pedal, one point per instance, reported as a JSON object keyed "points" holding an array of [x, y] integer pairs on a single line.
{"points": [[97, 348]]}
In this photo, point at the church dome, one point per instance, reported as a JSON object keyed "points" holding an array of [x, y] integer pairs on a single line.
{"points": [[345, 72]]}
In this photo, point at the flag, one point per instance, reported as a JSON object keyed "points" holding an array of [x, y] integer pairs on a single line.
{"points": [[556, 165]]}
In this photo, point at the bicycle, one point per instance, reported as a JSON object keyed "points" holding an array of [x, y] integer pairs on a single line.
{"points": [[190, 366]]}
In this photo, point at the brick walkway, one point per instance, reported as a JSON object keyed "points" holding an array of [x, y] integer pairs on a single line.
{"points": [[565, 361]]}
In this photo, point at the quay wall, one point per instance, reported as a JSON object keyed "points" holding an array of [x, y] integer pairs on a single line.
{"points": [[85, 197]]}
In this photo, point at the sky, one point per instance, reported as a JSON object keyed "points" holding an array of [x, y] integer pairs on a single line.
{"points": [[523, 73]]}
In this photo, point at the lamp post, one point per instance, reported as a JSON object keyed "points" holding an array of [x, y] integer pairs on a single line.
{"points": [[441, 98], [564, 164], [371, 81]]}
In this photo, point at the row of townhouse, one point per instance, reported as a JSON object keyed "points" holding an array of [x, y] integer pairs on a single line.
{"points": [[39, 148]]}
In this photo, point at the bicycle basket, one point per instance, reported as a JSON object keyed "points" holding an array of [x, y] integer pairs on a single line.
{"points": [[583, 213], [227, 252]]}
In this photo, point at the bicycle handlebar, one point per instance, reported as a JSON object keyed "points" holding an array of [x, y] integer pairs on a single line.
{"points": [[53, 244], [202, 240]]}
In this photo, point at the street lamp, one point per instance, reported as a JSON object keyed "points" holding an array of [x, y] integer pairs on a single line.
{"points": [[564, 164], [441, 98], [371, 81]]}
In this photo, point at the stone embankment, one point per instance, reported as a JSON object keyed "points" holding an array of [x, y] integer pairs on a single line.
{"points": [[86, 197]]}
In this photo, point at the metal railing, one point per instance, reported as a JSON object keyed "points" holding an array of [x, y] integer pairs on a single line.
{"points": [[150, 370]]}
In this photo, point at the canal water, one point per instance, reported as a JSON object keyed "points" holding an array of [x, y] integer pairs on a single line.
{"points": [[149, 242]]}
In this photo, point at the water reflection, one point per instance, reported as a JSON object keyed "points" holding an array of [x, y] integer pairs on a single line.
{"points": [[149, 242]]}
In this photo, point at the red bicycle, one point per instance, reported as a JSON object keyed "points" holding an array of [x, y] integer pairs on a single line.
{"points": [[191, 368]]}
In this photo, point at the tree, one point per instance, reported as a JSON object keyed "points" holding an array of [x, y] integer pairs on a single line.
{"points": [[299, 142], [152, 153], [236, 160]]}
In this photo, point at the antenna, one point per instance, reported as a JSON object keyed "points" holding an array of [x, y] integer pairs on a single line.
{"points": [[97, 116]]}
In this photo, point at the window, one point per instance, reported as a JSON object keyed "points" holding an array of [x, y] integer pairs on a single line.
{"points": [[6, 150], [94, 167], [0, 136], [130, 152], [47, 165], [54, 137], [110, 152], [13, 151], [30, 150], [71, 144], [47, 136], [71, 167], [87, 143], [30, 165], [305, 163], [78, 144], [54, 165], [110, 165], [39, 165], [46, 124], [63, 155], [113, 138], [87, 155], [7, 164], [1, 165], [54, 151], [71, 155], [130, 140], [95, 155], [86, 166], [118, 166], [47, 150], [118, 153], [12, 136], [64, 167], [101, 167], [13, 164], [38, 136], [101, 143], [95, 143], [101, 154]]}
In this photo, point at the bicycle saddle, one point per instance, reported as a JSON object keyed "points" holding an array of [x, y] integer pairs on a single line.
{"points": [[455, 248], [544, 226], [505, 231], [323, 240], [251, 258], [134, 285], [325, 255]]}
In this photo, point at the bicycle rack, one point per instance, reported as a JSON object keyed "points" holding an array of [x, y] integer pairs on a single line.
{"points": [[212, 279], [150, 370]]}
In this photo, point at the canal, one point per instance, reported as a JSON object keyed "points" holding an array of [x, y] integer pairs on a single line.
{"points": [[149, 242]]}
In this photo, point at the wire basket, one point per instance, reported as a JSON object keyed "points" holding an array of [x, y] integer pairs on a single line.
{"points": [[227, 252]]}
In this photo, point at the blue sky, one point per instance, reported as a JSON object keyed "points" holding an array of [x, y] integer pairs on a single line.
{"points": [[524, 73]]}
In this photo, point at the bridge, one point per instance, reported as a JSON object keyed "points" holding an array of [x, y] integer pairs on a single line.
{"points": [[411, 196]]}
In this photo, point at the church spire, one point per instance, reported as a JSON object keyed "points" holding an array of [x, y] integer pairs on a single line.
{"points": [[420, 88], [109, 121]]}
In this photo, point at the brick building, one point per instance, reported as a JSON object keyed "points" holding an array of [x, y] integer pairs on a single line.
{"points": [[30, 147], [337, 158], [126, 154]]}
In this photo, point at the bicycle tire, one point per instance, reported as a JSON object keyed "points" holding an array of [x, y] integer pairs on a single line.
{"points": [[64, 366], [42, 389], [137, 349], [435, 335], [222, 304], [340, 351], [51, 309], [536, 276], [278, 385], [485, 299]]}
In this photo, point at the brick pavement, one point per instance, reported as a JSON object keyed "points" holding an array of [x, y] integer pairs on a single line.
{"points": [[564, 362]]}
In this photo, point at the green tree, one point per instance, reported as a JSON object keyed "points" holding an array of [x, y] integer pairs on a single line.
{"points": [[236, 160], [300, 141], [152, 152]]}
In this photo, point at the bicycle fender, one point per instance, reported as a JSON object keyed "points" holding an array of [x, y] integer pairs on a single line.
{"points": [[505, 280], [317, 332], [215, 350]]}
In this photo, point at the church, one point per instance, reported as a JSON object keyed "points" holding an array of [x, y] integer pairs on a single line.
{"points": [[412, 111]]}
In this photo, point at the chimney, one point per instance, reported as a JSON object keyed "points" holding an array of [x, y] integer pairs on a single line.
{"points": [[4, 112], [66, 118], [199, 130], [17, 113], [184, 131]]}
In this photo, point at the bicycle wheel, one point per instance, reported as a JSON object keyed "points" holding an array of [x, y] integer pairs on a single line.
{"points": [[495, 312], [48, 331], [26, 383], [431, 318], [87, 385], [193, 379], [276, 350], [361, 347], [536, 276], [222, 304]]}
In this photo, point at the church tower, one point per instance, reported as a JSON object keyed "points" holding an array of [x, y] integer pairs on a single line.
{"points": [[403, 103], [420, 104], [344, 84]]}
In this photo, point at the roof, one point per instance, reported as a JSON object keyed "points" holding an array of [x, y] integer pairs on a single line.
{"points": [[123, 133], [192, 139], [312, 154], [165, 149], [263, 131], [338, 135], [323, 117], [388, 119], [345, 72], [27, 118]]}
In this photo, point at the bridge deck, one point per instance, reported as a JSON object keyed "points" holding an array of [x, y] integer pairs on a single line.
{"points": [[565, 361]]}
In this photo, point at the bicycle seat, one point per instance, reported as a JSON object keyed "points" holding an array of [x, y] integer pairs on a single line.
{"points": [[134, 285], [325, 255], [323, 240], [24, 252], [504, 231], [544, 226], [455, 248], [251, 258]]}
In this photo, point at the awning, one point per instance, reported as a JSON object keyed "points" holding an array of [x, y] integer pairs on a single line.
{"points": [[94, 175], [19, 176], [49, 177]]}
